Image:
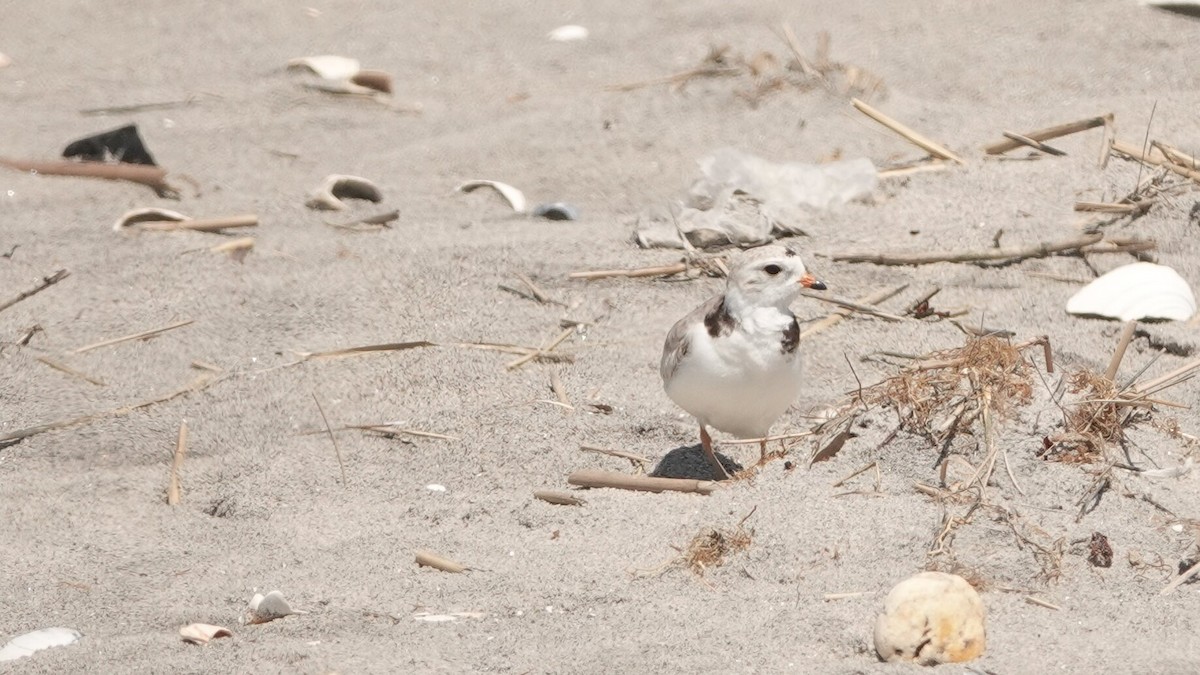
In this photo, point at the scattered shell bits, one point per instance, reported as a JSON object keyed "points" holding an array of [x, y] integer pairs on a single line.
{"points": [[329, 194], [931, 618], [1136, 292]]}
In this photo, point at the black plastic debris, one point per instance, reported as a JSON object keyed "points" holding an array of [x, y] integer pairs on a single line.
{"points": [[121, 145]]}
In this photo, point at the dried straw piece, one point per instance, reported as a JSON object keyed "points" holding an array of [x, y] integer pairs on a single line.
{"points": [[45, 283], [200, 224], [64, 368], [562, 337], [174, 487], [1035, 144], [332, 439], [853, 306], [437, 562], [923, 142], [136, 336], [1135, 153], [592, 478], [637, 461], [1049, 133], [560, 498]]}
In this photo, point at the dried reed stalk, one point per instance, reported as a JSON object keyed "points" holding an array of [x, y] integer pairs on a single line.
{"points": [[135, 336], [437, 562], [923, 142], [199, 224], [174, 486], [151, 176], [45, 283], [1049, 133], [592, 478]]}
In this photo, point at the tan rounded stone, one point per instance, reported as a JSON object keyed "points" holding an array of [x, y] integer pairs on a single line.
{"points": [[931, 618]]}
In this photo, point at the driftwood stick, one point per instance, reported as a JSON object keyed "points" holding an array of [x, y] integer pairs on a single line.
{"points": [[174, 486], [1048, 133], [151, 176], [1041, 250], [437, 562], [559, 498], [136, 336], [923, 142], [45, 283], [591, 478]]}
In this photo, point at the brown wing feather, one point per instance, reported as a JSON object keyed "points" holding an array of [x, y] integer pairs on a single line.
{"points": [[676, 345]]}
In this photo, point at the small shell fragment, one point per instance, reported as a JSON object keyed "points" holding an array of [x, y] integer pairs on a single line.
{"points": [[203, 633], [147, 214], [328, 66], [443, 618], [568, 33], [931, 618], [514, 197], [556, 211], [373, 79], [24, 645], [264, 608], [329, 194], [1135, 292]]}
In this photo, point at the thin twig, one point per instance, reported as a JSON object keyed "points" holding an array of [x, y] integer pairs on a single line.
{"points": [[562, 337], [45, 283], [1035, 144], [333, 439], [636, 460], [62, 367], [560, 392], [151, 176], [1179, 580], [854, 306], [1041, 250], [136, 336], [659, 271], [839, 315]]}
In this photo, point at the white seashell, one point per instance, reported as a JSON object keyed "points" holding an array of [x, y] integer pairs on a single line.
{"points": [[569, 33], [24, 645], [514, 197], [1138, 291], [4, 60], [202, 633], [146, 214], [329, 194], [931, 618], [434, 487], [328, 67], [264, 608]]}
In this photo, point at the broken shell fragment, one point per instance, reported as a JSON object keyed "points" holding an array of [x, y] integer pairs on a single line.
{"points": [[514, 197], [568, 33], [556, 211], [329, 194], [148, 214], [1136, 292], [35, 641], [328, 66], [931, 618], [373, 79], [203, 633], [264, 608]]}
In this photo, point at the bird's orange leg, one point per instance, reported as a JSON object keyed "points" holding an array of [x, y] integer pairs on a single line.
{"points": [[711, 456]]}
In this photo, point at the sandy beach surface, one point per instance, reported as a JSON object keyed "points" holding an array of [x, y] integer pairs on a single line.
{"points": [[88, 541]]}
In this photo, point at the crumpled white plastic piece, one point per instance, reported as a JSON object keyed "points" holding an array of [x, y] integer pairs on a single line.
{"points": [[746, 200]]}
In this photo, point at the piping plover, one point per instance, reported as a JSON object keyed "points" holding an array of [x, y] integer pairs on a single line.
{"points": [[733, 361]]}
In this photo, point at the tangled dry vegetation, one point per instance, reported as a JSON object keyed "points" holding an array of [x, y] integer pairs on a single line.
{"points": [[967, 394]]}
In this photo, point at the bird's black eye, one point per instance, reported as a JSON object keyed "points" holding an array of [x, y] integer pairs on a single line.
{"points": [[772, 269]]}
